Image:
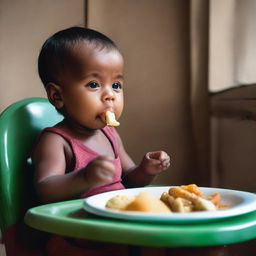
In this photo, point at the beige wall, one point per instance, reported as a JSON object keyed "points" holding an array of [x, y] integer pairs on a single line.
{"points": [[24, 26], [154, 37]]}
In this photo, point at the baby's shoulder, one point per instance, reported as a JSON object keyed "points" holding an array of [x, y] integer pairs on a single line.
{"points": [[55, 134], [50, 145], [49, 141], [49, 136]]}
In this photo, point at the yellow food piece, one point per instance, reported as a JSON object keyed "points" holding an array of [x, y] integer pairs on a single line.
{"points": [[199, 203], [144, 202], [193, 188], [167, 199], [119, 202], [176, 204], [111, 119]]}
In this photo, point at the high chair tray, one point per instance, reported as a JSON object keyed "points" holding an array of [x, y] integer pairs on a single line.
{"points": [[68, 218]]}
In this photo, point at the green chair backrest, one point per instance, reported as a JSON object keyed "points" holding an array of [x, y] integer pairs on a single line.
{"points": [[20, 123]]}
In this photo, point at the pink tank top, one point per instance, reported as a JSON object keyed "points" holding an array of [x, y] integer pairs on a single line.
{"points": [[83, 155]]}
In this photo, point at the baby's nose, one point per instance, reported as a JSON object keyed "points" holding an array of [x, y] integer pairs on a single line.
{"points": [[108, 95]]}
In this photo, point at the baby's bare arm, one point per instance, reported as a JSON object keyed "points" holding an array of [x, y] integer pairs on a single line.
{"points": [[141, 175], [53, 182]]}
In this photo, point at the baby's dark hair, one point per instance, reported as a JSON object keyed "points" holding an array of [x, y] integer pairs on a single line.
{"points": [[55, 49]]}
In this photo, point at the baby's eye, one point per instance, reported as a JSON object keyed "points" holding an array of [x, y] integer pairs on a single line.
{"points": [[93, 85], [117, 86]]}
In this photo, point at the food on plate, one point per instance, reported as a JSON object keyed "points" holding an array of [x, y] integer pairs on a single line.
{"points": [[167, 199], [119, 202], [182, 199], [176, 204], [216, 200], [199, 203], [189, 198], [145, 202], [111, 119], [193, 188]]}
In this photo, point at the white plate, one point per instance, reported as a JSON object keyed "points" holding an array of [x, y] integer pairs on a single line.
{"points": [[240, 202]]}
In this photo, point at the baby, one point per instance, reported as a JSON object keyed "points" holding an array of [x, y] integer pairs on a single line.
{"points": [[82, 72]]}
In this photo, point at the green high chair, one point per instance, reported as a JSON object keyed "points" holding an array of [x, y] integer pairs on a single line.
{"points": [[20, 123]]}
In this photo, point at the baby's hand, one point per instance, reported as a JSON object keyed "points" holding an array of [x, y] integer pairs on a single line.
{"points": [[155, 162], [99, 171]]}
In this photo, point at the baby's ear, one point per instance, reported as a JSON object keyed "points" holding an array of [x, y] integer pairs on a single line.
{"points": [[54, 93]]}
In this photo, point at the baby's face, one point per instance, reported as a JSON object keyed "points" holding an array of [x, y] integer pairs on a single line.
{"points": [[92, 83]]}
